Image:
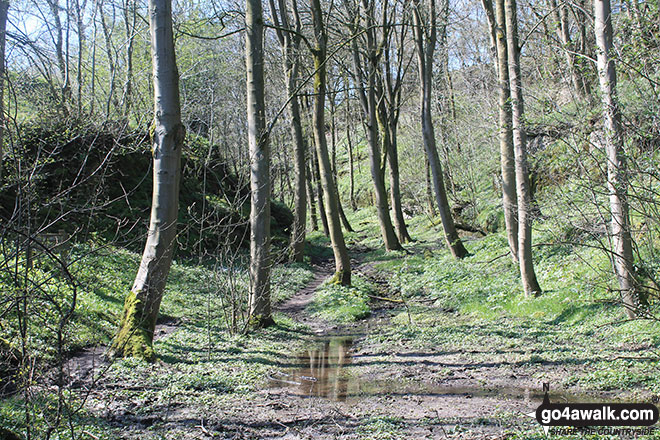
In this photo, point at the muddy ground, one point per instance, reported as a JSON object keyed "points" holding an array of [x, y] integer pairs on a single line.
{"points": [[357, 381]]}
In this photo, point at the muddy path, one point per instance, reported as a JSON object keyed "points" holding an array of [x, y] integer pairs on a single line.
{"points": [[347, 384], [373, 379]]}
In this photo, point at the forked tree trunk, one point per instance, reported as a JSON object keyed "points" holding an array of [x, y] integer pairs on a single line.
{"points": [[425, 39], [136, 330], [365, 70], [617, 183], [527, 274], [496, 19], [260, 307], [342, 261]]}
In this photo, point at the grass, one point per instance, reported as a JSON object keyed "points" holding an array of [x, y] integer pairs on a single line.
{"points": [[199, 363], [341, 304]]}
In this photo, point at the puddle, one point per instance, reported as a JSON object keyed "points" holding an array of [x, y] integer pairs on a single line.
{"points": [[321, 371], [324, 370]]}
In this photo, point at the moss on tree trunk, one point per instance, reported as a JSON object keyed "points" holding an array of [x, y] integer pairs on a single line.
{"points": [[136, 331]]}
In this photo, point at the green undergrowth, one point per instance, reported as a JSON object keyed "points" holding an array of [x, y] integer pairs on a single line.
{"points": [[198, 362], [336, 303], [103, 277]]}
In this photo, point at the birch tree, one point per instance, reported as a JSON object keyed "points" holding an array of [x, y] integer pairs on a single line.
{"points": [[136, 330]]}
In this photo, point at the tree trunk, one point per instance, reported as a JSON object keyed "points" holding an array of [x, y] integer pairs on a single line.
{"points": [[351, 165], [425, 39], [342, 262], [365, 83], [319, 193], [290, 43], [4, 7], [130, 18], [395, 188], [617, 183], [429, 189], [312, 202], [527, 274], [560, 16], [496, 19], [141, 307], [260, 308]]}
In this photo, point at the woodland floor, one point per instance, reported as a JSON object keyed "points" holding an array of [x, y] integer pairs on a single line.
{"points": [[366, 379]]}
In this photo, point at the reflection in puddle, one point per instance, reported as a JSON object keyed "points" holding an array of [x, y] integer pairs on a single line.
{"points": [[323, 371]]}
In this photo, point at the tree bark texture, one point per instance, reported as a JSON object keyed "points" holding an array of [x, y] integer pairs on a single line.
{"points": [[425, 39], [342, 262], [617, 182], [135, 335], [528, 276]]}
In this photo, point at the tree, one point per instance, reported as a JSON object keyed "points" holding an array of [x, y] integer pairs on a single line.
{"points": [[527, 274], [136, 330], [342, 261], [425, 35], [289, 38], [496, 20], [366, 57], [560, 16], [617, 180], [389, 89], [260, 308]]}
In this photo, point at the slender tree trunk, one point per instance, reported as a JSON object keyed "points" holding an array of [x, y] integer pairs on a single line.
{"points": [[527, 274], [312, 202], [496, 19], [60, 54], [299, 206], [319, 193], [560, 16], [425, 39], [260, 307], [429, 188], [617, 182], [342, 214], [395, 189], [351, 165], [80, 28], [130, 18], [290, 43], [4, 7], [507, 154], [333, 137], [342, 261], [141, 307], [365, 82]]}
